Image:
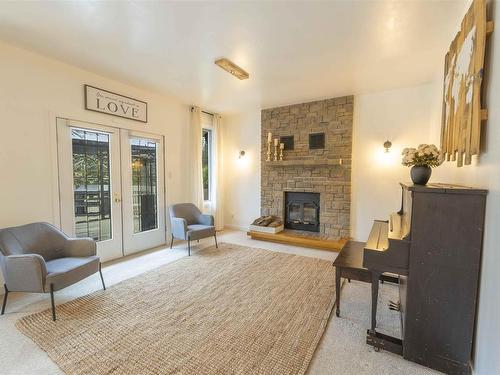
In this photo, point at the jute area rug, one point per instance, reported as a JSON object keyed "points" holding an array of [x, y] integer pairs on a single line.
{"points": [[232, 310]]}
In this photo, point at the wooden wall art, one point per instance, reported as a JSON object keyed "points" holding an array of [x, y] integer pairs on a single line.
{"points": [[463, 74]]}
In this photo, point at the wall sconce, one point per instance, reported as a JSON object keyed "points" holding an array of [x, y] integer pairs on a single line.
{"points": [[136, 164], [387, 145], [241, 154]]}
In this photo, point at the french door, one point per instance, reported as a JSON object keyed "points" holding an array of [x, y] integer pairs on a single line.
{"points": [[111, 187], [143, 204]]}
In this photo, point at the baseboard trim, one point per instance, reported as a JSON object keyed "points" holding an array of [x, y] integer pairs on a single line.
{"points": [[243, 228]]}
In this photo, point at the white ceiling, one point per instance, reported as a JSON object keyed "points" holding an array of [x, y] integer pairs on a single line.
{"points": [[294, 51]]}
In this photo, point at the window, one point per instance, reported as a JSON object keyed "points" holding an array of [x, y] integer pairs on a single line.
{"points": [[206, 161]]}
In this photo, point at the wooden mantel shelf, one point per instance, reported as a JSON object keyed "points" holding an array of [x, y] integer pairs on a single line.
{"points": [[305, 162], [291, 238]]}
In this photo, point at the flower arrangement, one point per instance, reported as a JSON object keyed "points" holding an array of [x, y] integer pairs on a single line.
{"points": [[423, 156]]}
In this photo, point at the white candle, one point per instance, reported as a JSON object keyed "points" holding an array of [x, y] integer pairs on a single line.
{"points": [[269, 137], [275, 141], [282, 146]]}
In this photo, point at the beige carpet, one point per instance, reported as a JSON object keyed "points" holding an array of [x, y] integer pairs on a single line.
{"points": [[235, 310]]}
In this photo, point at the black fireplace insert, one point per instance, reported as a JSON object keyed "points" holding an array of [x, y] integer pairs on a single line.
{"points": [[302, 211]]}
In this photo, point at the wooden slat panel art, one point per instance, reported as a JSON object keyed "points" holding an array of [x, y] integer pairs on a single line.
{"points": [[464, 63]]}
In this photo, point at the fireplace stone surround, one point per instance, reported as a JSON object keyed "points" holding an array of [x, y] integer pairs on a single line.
{"points": [[325, 171]]}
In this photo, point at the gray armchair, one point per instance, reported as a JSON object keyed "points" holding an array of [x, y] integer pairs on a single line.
{"points": [[39, 258], [188, 223]]}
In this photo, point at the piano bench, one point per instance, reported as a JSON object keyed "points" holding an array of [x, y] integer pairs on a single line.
{"points": [[349, 265]]}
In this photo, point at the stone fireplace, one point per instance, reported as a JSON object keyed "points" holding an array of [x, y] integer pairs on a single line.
{"points": [[316, 165]]}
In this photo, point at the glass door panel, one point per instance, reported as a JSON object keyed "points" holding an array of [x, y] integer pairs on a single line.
{"points": [[144, 184], [295, 212], [143, 191], [310, 213], [90, 184]]}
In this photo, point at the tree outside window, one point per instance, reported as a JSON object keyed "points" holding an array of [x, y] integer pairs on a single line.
{"points": [[206, 142]]}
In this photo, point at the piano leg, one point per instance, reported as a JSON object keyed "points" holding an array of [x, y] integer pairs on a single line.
{"points": [[375, 281], [337, 291]]}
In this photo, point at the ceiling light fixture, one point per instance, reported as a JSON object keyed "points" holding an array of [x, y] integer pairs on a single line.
{"points": [[232, 68]]}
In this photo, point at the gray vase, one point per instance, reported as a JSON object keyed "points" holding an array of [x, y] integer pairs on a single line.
{"points": [[420, 174]]}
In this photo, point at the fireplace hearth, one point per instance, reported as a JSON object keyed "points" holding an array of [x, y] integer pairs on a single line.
{"points": [[302, 211]]}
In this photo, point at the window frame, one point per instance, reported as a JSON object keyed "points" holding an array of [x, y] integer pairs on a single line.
{"points": [[207, 126]]}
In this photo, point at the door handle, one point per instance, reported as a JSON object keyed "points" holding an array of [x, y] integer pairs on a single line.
{"points": [[117, 198]]}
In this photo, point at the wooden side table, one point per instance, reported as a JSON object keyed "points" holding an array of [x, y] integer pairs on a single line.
{"points": [[349, 265]]}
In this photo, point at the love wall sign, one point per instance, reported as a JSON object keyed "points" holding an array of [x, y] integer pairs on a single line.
{"points": [[108, 102]]}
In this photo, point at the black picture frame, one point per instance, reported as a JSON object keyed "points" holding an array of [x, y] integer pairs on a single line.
{"points": [[288, 142], [316, 141]]}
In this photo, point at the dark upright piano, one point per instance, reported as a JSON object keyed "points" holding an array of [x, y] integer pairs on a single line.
{"points": [[434, 244]]}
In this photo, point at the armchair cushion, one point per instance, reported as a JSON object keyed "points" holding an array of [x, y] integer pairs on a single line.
{"points": [[198, 231], [63, 272]]}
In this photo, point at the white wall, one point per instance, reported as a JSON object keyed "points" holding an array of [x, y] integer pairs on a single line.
{"points": [[33, 91], [242, 176], [402, 116]]}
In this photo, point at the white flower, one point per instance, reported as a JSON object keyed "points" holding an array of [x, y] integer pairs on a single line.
{"points": [[424, 154]]}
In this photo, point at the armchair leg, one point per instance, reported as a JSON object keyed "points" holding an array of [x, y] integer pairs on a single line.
{"points": [[216, 245], [5, 298], [102, 278], [52, 302], [189, 247], [172, 241]]}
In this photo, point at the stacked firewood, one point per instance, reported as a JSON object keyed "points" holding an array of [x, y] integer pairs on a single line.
{"points": [[268, 221]]}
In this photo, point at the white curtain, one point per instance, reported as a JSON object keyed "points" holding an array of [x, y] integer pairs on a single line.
{"points": [[196, 174], [216, 204]]}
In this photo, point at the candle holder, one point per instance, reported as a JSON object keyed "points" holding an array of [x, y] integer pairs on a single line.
{"points": [[268, 151], [275, 152], [282, 146], [269, 140]]}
